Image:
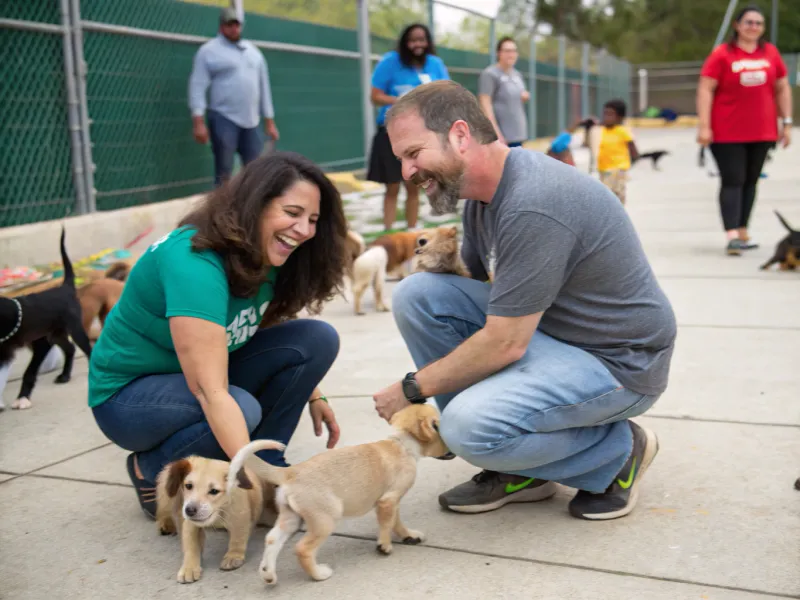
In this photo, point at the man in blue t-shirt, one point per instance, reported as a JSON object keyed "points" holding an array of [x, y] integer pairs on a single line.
{"points": [[400, 71]]}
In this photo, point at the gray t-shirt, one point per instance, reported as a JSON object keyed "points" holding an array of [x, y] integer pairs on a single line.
{"points": [[505, 90], [559, 241]]}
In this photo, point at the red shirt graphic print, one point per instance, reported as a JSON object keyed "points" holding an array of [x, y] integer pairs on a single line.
{"points": [[744, 107]]}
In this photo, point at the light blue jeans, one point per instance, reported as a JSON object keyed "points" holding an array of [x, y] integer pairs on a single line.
{"points": [[555, 414]]}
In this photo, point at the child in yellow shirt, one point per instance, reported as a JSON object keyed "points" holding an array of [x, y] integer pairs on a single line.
{"points": [[617, 149]]}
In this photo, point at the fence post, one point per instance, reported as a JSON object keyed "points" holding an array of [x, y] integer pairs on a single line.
{"points": [[532, 88], [364, 48], [601, 83], [585, 80], [81, 74], [561, 118], [492, 40], [642, 90], [431, 22], [73, 118]]}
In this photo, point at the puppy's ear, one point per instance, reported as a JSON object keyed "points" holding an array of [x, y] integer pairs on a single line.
{"points": [[452, 231], [177, 472], [243, 480], [428, 429]]}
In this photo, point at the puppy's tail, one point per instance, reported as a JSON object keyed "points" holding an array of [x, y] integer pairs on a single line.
{"points": [[785, 224], [69, 274], [246, 457]]}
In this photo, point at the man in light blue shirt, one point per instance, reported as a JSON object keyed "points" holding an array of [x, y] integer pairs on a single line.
{"points": [[233, 73]]}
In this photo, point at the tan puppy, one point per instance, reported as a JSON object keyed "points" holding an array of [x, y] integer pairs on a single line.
{"points": [[97, 299], [438, 252], [191, 495], [344, 482], [386, 255]]}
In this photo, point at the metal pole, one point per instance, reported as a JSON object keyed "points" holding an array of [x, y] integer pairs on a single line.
{"points": [[80, 70], [239, 6], [561, 108], [642, 90], [600, 97], [774, 23], [726, 22], [366, 69], [73, 117], [585, 80], [431, 22], [532, 124], [492, 40]]}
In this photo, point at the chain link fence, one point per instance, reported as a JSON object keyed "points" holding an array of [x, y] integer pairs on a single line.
{"points": [[94, 111]]}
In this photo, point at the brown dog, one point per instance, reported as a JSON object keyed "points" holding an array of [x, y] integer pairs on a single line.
{"points": [[348, 481], [191, 495], [438, 252], [97, 299], [386, 255]]}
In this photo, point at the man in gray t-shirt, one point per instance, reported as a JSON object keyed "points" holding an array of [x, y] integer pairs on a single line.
{"points": [[538, 370]]}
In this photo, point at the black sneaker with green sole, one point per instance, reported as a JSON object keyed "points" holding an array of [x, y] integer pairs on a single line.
{"points": [[620, 497], [489, 490]]}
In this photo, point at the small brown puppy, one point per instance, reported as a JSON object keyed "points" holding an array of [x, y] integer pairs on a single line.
{"points": [[97, 299], [191, 495], [386, 255], [437, 251], [344, 482], [787, 252]]}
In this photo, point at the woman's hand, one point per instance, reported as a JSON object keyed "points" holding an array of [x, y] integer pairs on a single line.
{"points": [[321, 412], [704, 136], [786, 137]]}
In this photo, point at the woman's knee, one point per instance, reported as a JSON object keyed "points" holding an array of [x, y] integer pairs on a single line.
{"points": [[322, 339], [250, 407]]}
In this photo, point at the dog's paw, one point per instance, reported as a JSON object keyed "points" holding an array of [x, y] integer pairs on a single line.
{"points": [[322, 572], [414, 537], [21, 404], [382, 308], [63, 378], [189, 573], [231, 561], [269, 577], [385, 549], [167, 527]]}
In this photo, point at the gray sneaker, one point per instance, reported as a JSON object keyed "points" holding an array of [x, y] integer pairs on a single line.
{"points": [[489, 490]]}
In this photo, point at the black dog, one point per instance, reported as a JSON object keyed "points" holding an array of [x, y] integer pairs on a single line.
{"points": [[39, 320], [787, 252], [654, 156]]}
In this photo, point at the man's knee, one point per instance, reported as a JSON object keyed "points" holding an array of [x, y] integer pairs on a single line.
{"points": [[465, 432], [249, 406], [413, 295]]}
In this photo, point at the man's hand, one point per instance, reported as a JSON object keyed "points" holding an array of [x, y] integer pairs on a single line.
{"points": [[390, 400], [271, 129], [526, 95], [200, 131], [321, 412]]}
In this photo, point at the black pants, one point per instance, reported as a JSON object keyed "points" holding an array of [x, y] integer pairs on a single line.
{"points": [[739, 166]]}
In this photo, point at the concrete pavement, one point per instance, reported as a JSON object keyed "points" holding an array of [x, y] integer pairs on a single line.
{"points": [[718, 516]]}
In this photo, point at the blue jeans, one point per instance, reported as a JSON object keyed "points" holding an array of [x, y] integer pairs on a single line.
{"points": [[555, 414], [227, 138], [271, 378]]}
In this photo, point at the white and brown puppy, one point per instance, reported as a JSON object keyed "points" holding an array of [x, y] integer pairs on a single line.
{"points": [[344, 482], [191, 495], [386, 255], [437, 251]]}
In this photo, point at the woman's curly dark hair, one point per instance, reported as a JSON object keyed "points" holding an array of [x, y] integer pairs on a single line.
{"points": [[402, 43], [228, 222]]}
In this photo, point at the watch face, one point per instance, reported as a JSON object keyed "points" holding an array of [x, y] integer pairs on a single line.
{"points": [[410, 388]]}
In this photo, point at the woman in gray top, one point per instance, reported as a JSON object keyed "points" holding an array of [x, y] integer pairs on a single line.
{"points": [[502, 95]]}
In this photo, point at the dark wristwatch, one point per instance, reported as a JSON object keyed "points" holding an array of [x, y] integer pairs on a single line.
{"points": [[411, 389]]}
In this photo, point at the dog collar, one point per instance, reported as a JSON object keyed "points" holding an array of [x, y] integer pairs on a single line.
{"points": [[19, 321]]}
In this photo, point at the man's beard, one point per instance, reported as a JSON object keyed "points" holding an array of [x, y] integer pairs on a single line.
{"points": [[446, 193]]}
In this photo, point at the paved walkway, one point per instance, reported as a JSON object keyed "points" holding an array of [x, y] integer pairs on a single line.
{"points": [[718, 516]]}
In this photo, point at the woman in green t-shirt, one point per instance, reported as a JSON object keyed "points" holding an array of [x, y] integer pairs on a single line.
{"points": [[202, 353]]}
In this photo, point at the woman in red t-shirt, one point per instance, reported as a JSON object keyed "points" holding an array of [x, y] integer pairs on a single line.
{"points": [[736, 103]]}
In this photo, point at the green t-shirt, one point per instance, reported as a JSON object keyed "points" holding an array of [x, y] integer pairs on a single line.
{"points": [[169, 280]]}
